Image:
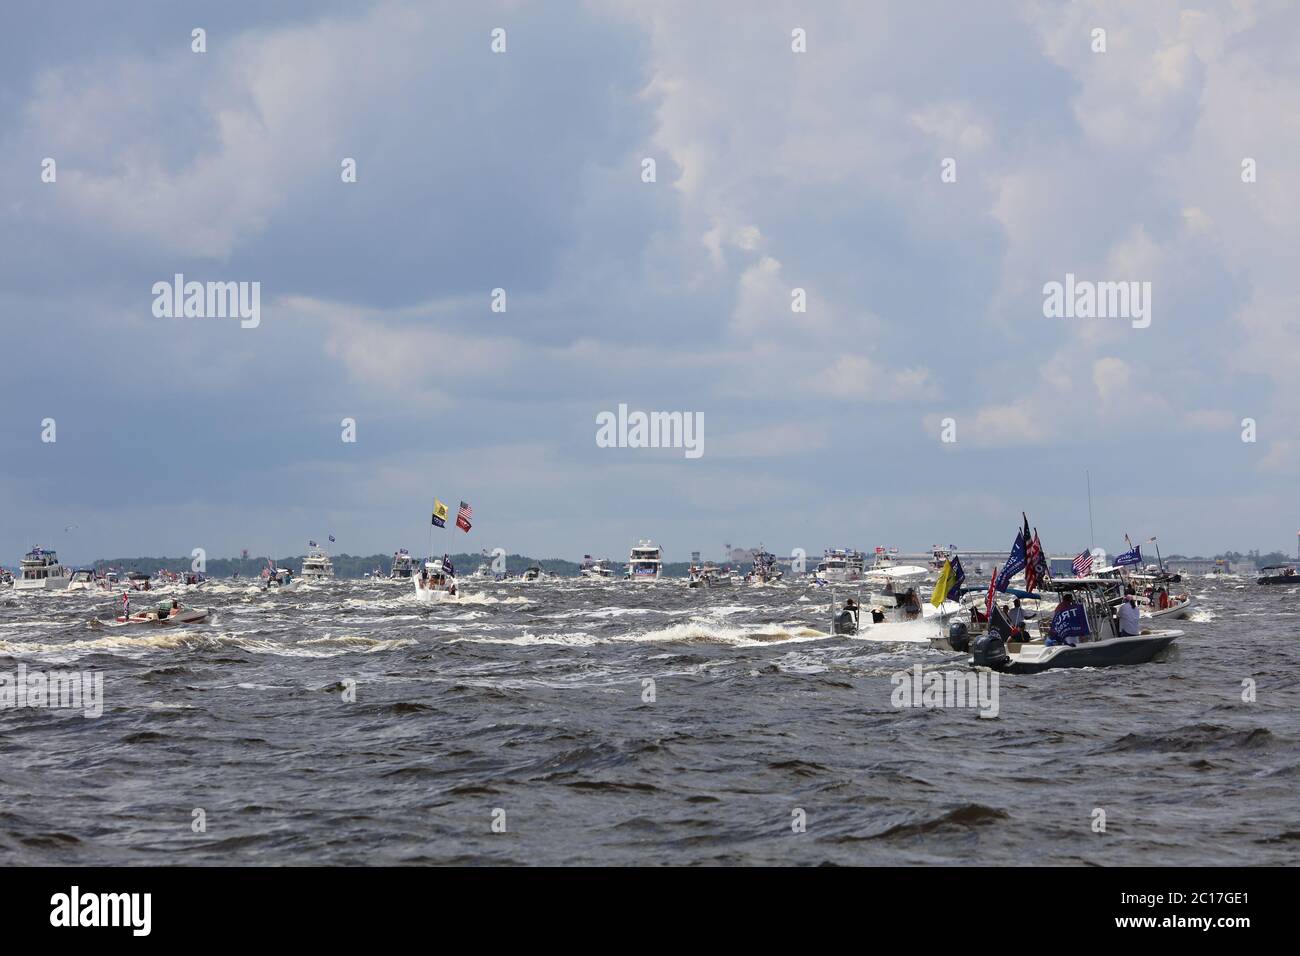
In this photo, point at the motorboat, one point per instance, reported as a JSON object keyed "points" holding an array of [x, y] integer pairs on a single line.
{"points": [[436, 582], [707, 575], [840, 566], [6, 578], [885, 570], [595, 570], [86, 579], [277, 578], [316, 566], [1101, 645], [765, 570], [40, 570], [535, 572], [167, 612], [139, 581], [645, 563], [403, 568], [1278, 574]]}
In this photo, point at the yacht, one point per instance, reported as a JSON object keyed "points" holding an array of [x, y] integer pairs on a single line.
{"points": [[437, 582], [403, 566], [316, 566], [645, 563], [840, 566], [41, 571]]}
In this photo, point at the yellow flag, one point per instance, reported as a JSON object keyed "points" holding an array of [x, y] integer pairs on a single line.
{"points": [[439, 513], [943, 585]]}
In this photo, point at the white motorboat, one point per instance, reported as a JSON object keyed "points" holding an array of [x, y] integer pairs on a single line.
{"points": [[886, 570], [403, 568], [317, 565], [85, 579], [595, 570], [1099, 645], [41, 571], [1180, 606], [436, 582], [645, 563], [707, 575], [840, 566]]}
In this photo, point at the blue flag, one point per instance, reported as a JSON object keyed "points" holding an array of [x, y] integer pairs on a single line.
{"points": [[1131, 556], [958, 576], [1015, 563], [1071, 621]]}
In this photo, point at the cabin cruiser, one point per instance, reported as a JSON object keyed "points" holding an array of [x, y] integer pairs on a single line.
{"points": [[645, 563], [436, 582], [85, 579], [535, 572], [885, 570], [317, 566], [1278, 574], [707, 575], [765, 569], [595, 570], [1101, 646], [41, 571], [840, 566], [403, 568]]}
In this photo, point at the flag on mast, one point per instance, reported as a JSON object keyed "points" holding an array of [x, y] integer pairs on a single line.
{"points": [[463, 516], [439, 514]]}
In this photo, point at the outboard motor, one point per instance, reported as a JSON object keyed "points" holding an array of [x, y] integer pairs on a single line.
{"points": [[959, 637], [846, 622], [990, 651]]}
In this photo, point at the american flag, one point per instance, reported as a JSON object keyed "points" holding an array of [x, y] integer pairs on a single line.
{"points": [[463, 516], [1083, 564]]}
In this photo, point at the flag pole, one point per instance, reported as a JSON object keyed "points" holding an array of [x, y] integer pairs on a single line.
{"points": [[1092, 537]]}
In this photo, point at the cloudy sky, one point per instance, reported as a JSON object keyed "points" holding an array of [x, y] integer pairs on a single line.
{"points": [[776, 170]]}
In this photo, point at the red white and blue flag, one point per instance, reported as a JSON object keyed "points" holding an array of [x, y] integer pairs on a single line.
{"points": [[1083, 564], [988, 601], [463, 516]]}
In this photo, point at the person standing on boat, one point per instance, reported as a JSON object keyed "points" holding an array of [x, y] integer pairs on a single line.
{"points": [[1017, 616], [1129, 620]]}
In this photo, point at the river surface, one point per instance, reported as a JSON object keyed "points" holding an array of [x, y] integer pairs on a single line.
{"points": [[604, 723]]}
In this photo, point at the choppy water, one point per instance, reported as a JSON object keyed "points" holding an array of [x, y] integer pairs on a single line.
{"points": [[529, 699]]}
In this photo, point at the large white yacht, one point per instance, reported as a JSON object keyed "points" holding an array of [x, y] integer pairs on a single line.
{"points": [[41, 571], [317, 566], [645, 562]]}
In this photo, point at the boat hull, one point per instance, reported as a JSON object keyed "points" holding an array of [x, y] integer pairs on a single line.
{"points": [[1115, 652], [42, 584]]}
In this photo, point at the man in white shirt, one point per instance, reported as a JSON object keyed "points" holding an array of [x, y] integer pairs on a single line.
{"points": [[1129, 625]]}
